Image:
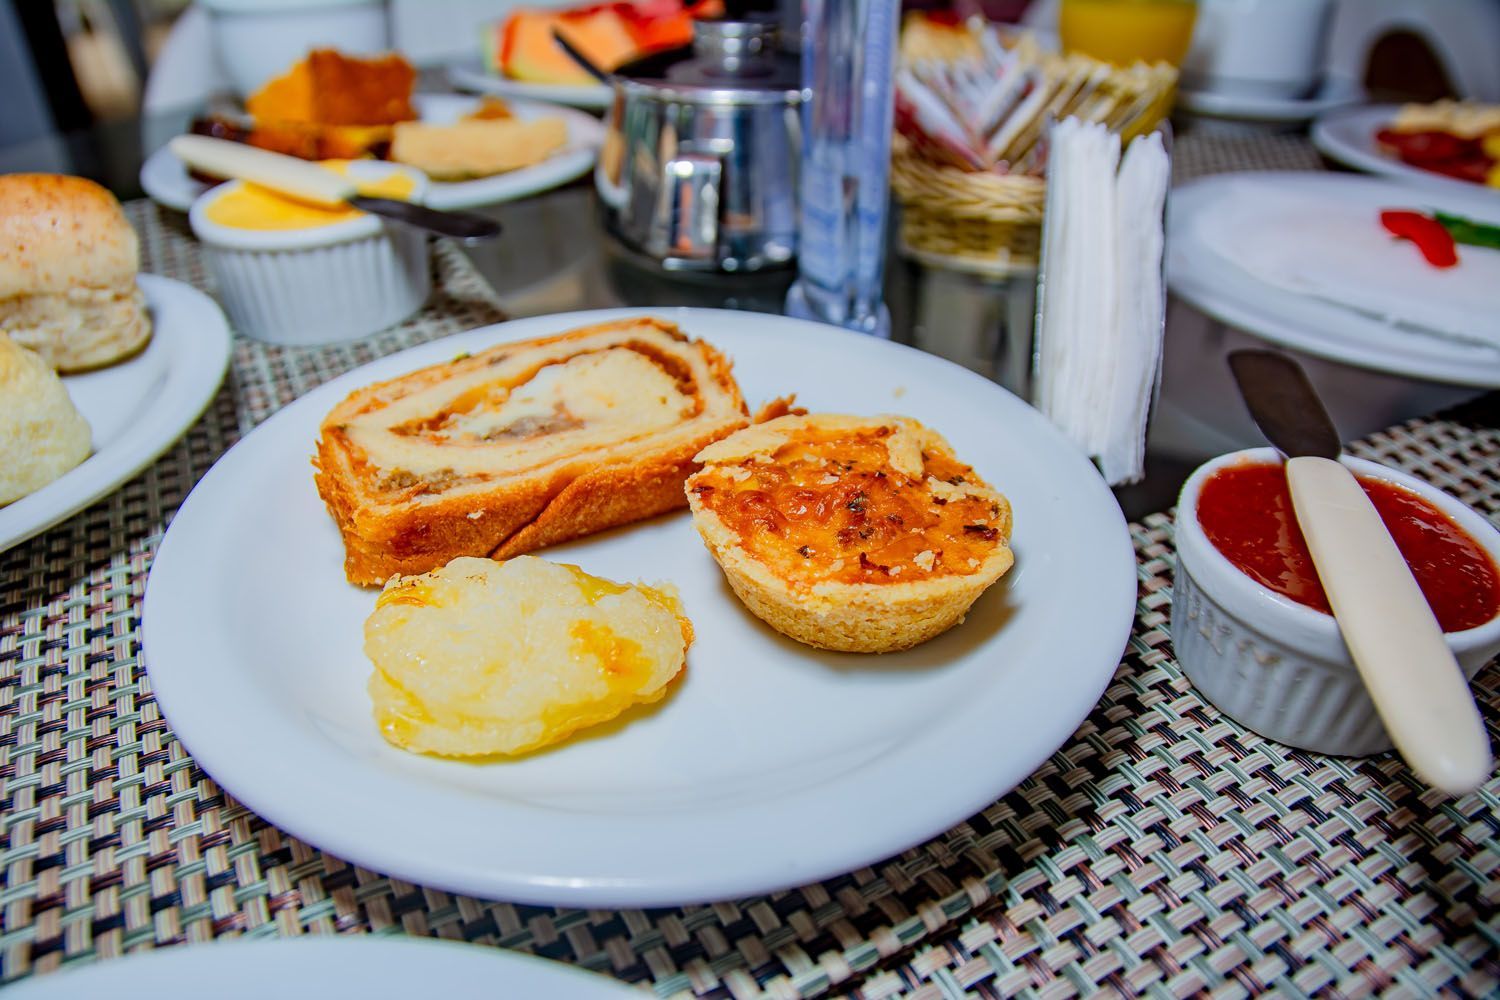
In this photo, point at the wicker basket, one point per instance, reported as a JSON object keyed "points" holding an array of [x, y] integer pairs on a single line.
{"points": [[985, 223]]}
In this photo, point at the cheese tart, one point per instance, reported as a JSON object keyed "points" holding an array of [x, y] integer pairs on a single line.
{"points": [[859, 534], [521, 446]]}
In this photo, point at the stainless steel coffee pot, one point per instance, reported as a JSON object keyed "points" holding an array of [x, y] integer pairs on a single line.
{"points": [[699, 165]]}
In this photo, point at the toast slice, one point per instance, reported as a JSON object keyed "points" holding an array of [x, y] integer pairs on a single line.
{"points": [[521, 446]]}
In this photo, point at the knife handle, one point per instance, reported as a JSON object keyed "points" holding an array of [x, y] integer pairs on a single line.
{"points": [[299, 178], [1417, 686]]}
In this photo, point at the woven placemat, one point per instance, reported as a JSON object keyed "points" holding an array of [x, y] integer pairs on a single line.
{"points": [[1198, 152], [1162, 850]]}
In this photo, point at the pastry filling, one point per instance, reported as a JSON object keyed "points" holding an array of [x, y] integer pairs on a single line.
{"points": [[831, 508], [501, 413]]}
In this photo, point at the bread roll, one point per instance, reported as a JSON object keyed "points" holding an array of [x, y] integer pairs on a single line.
{"points": [[858, 534], [521, 446], [68, 261], [42, 434]]}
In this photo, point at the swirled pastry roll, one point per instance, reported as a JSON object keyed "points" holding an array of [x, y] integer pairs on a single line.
{"points": [[521, 446], [859, 534]]}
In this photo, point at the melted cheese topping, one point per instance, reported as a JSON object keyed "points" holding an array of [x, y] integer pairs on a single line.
{"points": [[832, 506], [250, 206], [507, 412], [483, 657]]}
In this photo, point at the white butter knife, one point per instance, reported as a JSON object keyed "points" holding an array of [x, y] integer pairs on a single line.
{"points": [[1417, 686]]}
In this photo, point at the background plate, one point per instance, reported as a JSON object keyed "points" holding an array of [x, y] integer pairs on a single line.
{"points": [[136, 409], [593, 96], [345, 966], [1349, 137], [1202, 277], [167, 181], [770, 765]]}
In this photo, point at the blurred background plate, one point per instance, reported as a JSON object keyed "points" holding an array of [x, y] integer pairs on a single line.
{"points": [[1200, 273], [136, 409], [167, 181], [1348, 136], [594, 96], [327, 966]]}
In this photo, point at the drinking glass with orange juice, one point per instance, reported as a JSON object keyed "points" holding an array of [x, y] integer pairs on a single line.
{"points": [[1123, 31]]}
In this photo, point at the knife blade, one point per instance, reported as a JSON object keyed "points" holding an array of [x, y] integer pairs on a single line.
{"points": [[310, 182], [1397, 646]]}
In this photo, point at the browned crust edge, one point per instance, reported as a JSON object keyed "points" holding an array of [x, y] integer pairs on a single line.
{"points": [[380, 541]]}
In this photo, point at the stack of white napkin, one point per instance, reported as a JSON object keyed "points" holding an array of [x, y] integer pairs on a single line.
{"points": [[1100, 298]]}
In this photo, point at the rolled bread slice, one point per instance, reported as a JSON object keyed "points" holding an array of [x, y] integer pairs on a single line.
{"points": [[42, 434], [521, 446], [68, 262], [858, 534]]}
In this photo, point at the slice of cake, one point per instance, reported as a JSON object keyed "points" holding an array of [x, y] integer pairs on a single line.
{"points": [[521, 446]]}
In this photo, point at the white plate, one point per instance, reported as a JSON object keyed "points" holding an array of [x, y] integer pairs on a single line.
{"points": [[325, 966], [136, 409], [1336, 92], [1349, 137], [594, 96], [771, 765], [1202, 276], [167, 181]]}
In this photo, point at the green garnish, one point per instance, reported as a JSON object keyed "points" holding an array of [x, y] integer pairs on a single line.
{"points": [[1476, 234]]}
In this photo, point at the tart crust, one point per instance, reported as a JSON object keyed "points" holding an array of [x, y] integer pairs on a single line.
{"points": [[829, 604]]}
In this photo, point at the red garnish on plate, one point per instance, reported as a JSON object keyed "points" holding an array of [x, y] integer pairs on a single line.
{"points": [[1431, 238]]}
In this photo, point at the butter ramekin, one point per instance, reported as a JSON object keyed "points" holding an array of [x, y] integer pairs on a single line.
{"points": [[321, 284], [1279, 667]]}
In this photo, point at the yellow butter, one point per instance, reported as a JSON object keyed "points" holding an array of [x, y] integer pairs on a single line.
{"points": [[250, 206]]}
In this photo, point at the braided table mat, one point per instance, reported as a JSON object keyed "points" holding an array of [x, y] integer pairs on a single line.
{"points": [[1164, 850]]}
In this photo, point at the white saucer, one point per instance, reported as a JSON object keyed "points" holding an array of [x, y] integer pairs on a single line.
{"points": [[1336, 92]]}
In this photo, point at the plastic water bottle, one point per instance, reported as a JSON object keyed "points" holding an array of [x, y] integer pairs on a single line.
{"points": [[848, 52]]}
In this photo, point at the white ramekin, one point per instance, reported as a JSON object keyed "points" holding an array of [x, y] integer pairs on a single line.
{"points": [[318, 285], [1279, 667]]}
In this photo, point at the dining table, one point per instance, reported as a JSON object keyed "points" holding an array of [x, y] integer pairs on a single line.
{"points": [[1163, 850]]}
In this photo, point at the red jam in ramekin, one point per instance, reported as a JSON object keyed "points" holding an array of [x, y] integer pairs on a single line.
{"points": [[1245, 510]]}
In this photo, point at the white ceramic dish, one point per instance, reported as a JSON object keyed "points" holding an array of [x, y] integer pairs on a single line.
{"points": [[167, 181], [771, 764], [318, 285], [592, 96], [255, 40], [1349, 137], [1335, 92], [326, 966], [1277, 666], [1201, 275], [136, 409]]}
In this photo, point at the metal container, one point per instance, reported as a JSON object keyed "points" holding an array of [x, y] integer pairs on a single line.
{"points": [[699, 165]]}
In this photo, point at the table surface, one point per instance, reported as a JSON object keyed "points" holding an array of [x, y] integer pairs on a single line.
{"points": [[1163, 849]]}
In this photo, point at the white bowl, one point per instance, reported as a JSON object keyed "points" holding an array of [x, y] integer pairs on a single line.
{"points": [[256, 40], [322, 284], [1277, 666]]}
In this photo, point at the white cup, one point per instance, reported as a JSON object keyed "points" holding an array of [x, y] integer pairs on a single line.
{"points": [[1258, 48], [256, 40]]}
